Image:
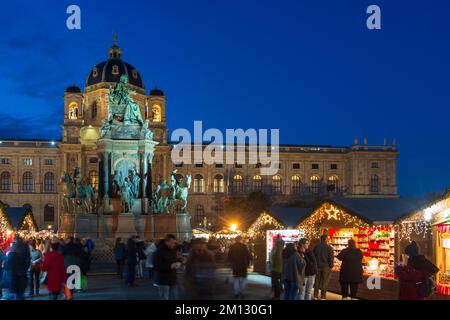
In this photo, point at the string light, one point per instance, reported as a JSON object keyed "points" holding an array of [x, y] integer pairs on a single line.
{"points": [[328, 212], [264, 222]]}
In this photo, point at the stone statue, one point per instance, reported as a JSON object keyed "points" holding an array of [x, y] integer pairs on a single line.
{"points": [[121, 105], [135, 182], [161, 200], [126, 195], [70, 194], [180, 189]]}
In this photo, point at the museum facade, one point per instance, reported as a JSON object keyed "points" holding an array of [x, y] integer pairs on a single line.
{"points": [[31, 171]]}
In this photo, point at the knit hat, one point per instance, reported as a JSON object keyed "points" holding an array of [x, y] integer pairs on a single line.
{"points": [[412, 249]]}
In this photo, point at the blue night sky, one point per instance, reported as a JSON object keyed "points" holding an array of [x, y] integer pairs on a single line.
{"points": [[310, 68]]}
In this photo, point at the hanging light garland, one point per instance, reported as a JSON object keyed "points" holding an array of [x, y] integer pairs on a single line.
{"points": [[264, 222], [328, 212]]}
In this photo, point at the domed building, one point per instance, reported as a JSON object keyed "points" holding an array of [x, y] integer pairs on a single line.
{"points": [[30, 171]]}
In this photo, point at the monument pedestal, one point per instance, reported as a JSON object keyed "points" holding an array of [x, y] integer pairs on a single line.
{"points": [[177, 224]]}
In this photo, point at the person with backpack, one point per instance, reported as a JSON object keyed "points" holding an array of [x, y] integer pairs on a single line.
{"points": [[416, 278], [351, 273]]}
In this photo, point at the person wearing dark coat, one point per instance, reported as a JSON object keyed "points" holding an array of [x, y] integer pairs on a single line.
{"points": [[166, 262], [351, 272], [293, 273], [17, 264], [131, 254], [418, 269], [239, 258], [200, 271], [120, 250], [324, 255], [2, 260]]}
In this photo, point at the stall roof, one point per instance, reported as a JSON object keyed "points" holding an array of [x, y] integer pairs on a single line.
{"points": [[16, 215], [380, 209]]}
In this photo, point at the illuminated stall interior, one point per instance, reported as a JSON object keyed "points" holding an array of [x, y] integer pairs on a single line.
{"points": [[15, 220], [369, 222]]}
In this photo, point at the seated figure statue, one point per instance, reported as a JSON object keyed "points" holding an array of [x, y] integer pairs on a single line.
{"points": [[121, 104]]}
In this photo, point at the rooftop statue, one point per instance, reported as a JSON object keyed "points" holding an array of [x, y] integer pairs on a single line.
{"points": [[121, 106]]}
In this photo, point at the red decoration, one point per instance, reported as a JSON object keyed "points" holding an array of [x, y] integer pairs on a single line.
{"points": [[443, 289], [444, 228]]}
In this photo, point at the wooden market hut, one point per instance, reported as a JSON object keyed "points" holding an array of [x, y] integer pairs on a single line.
{"points": [[17, 219], [370, 222], [429, 227]]}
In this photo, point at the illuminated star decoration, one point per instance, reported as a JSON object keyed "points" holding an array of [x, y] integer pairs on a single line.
{"points": [[332, 214]]}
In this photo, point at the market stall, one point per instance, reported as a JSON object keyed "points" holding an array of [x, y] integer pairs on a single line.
{"points": [[15, 220], [429, 227], [370, 223]]}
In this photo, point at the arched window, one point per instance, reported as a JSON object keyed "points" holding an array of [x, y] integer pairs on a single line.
{"points": [[49, 182], [73, 111], [276, 184], [198, 183], [93, 179], [296, 184], [27, 182], [238, 183], [156, 110], [5, 181], [49, 213], [256, 182], [333, 183], [374, 183], [94, 110], [218, 183], [315, 181], [199, 216], [28, 206]]}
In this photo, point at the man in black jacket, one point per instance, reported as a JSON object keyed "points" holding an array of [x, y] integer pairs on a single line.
{"points": [[324, 255], [165, 263]]}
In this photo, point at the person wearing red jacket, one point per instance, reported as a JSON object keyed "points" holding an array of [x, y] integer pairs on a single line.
{"points": [[418, 269], [56, 271]]}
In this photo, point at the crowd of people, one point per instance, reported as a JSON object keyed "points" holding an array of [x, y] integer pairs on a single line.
{"points": [[27, 264], [188, 269], [303, 273]]}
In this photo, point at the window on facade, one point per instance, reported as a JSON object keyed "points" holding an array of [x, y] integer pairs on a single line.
{"points": [[115, 69], [238, 183], [93, 160], [218, 183], [257, 182], [156, 109], [374, 165], [5, 181], [94, 110], [258, 165], [6, 161], [27, 162], [179, 165], [48, 162], [315, 184], [333, 166], [49, 213], [27, 182], [238, 165], [333, 184], [93, 179], [199, 165], [296, 166], [73, 111], [296, 184], [219, 165], [198, 183], [315, 166], [276, 184], [199, 216], [374, 183], [49, 182]]}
